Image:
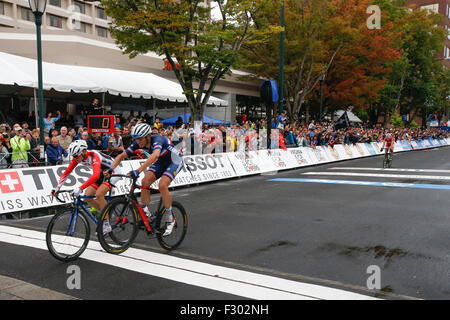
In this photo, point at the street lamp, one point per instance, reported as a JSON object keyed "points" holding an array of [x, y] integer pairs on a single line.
{"points": [[321, 79], [281, 63], [38, 9]]}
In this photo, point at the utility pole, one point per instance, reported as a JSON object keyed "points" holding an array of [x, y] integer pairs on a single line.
{"points": [[281, 70]]}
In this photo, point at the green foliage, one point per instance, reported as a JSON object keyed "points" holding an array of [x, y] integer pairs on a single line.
{"points": [[200, 50], [397, 121]]}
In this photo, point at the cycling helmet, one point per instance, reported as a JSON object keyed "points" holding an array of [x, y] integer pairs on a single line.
{"points": [[77, 147], [141, 130]]}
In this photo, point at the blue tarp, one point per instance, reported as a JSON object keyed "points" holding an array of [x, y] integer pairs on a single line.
{"points": [[185, 118]]}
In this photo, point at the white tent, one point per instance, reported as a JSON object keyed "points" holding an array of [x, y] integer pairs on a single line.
{"points": [[16, 70], [351, 116]]}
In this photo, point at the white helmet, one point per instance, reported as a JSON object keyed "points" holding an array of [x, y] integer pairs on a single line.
{"points": [[141, 130], [77, 147]]}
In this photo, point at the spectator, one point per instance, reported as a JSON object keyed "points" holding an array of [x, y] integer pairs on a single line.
{"points": [[96, 108], [91, 144], [118, 122], [55, 153], [34, 147], [127, 139], [47, 141], [115, 143], [157, 124], [179, 122], [64, 139], [73, 134], [26, 128], [20, 146], [4, 152], [49, 122], [281, 119]]}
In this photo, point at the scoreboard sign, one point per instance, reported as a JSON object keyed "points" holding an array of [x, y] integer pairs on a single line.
{"points": [[101, 124]]}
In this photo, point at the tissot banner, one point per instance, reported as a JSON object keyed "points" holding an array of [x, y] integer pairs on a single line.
{"points": [[29, 188]]}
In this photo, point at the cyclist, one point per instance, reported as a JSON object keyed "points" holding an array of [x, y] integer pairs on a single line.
{"points": [[388, 144], [96, 185], [164, 162]]}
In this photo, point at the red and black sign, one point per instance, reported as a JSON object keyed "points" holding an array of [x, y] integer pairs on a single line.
{"points": [[101, 124]]}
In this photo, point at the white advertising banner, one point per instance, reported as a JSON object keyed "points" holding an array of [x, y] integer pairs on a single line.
{"points": [[29, 188], [301, 156]]}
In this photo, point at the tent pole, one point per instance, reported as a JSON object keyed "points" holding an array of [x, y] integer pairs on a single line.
{"points": [[35, 109]]}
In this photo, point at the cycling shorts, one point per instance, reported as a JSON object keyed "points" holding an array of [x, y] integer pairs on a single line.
{"points": [[103, 181], [166, 167]]}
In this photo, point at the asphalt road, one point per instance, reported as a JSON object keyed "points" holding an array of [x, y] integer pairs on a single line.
{"points": [[272, 236]]}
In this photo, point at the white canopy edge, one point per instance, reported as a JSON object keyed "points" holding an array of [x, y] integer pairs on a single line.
{"points": [[21, 71]]}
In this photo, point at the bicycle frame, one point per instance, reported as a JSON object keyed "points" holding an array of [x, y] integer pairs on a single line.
{"points": [[76, 205], [131, 198]]}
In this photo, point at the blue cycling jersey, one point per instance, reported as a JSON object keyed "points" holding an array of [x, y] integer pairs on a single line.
{"points": [[162, 143]]}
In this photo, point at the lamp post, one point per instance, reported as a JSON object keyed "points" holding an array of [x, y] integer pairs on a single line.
{"points": [[38, 9], [321, 79], [281, 66]]}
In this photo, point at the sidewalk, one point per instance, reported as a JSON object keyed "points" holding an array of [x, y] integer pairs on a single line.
{"points": [[13, 289]]}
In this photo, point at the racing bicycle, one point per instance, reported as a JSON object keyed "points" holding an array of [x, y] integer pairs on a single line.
{"points": [[126, 218], [68, 231], [387, 159]]}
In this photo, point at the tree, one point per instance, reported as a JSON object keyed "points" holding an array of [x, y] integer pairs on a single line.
{"points": [[413, 85], [199, 49], [325, 37]]}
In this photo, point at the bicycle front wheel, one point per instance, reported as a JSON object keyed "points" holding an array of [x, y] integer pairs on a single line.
{"points": [[123, 219], [173, 240], [67, 235]]}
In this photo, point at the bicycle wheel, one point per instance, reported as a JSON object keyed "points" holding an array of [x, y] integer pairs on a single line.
{"points": [[123, 218], [67, 235], [173, 240]]}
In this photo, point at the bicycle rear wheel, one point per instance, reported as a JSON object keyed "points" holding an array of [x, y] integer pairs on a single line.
{"points": [[123, 218], [173, 240], [67, 235]]}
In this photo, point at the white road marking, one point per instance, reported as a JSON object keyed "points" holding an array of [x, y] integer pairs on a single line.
{"points": [[391, 169], [379, 175], [233, 281]]}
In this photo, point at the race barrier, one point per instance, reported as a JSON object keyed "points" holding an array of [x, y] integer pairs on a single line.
{"points": [[29, 188]]}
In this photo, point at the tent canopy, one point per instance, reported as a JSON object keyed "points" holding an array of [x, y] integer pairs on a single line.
{"points": [[186, 117], [351, 116], [20, 71]]}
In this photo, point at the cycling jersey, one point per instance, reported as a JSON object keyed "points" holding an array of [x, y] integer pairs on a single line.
{"points": [[99, 162], [168, 150], [389, 142], [169, 162]]}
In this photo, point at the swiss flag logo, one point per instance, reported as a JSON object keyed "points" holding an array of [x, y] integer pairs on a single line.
{"points": [[10, 182]]}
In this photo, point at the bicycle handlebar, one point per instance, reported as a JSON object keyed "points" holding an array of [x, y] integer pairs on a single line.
{"points": [[70, 191]]}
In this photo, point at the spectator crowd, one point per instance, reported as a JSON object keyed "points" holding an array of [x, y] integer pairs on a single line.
{"points": [[20, 145]]}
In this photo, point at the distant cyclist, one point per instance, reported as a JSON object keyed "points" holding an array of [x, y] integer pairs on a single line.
{"points": [[164, 162], [388, 144], [96, 185]]}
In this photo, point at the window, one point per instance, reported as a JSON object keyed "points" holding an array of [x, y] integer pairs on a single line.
{"points": [[26, 14], [102, 32], [101, 13], [2, 7], [56, 3], [432, 7], [79, 7], [55, 21], [80, 26], [446, 53]]}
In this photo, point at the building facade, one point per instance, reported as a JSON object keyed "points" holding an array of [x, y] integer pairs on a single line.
{"points": [[442, 7], [76, 33]]}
